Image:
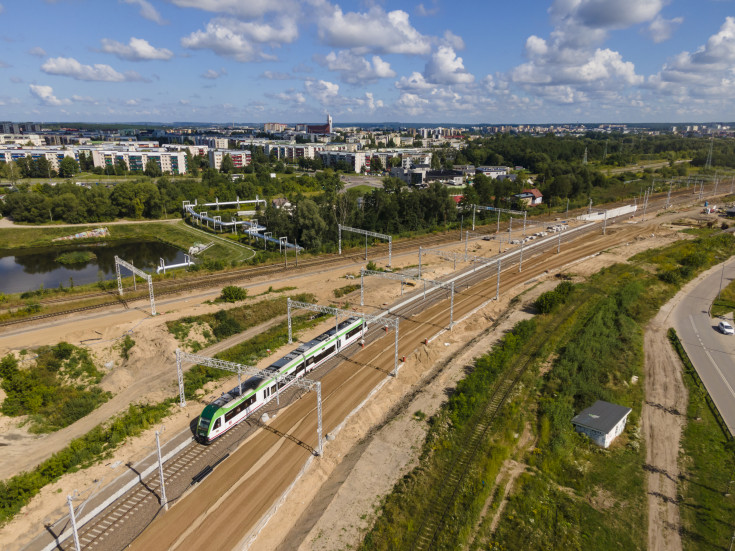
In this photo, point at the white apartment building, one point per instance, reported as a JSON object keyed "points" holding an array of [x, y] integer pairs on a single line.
{"points": [[292, 153], [358, 160], [239, 158], [53, 156], [170, 162]]}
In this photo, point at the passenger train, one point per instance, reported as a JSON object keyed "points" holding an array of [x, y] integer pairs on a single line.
{"points": [[237, 404]]}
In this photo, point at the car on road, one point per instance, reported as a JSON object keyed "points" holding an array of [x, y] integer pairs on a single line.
{"points": [[725, 328]]}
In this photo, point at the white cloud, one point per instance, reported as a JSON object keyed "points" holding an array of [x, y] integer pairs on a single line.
{"points": [[356, 69], [240, 8], [605, 14], [452, 40], [412, 104], [322, 90], [423, 11], [83, 99], [37, 51], [211, 74], [290, 97], [138, 49], [373, 31], [414, 82], [70, 67], [276, 75], [660, 29], [571, 66], [147, 11], [707, 72], [45, 94], [236, 39], [445, 67]]}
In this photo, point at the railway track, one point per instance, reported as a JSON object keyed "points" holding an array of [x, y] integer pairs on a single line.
{"points": [[115, 524]]}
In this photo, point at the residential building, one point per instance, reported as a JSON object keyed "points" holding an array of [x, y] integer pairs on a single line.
{"points": [[357, 160], [493, 171], [274, 127], [240, 158], [530, 197]]}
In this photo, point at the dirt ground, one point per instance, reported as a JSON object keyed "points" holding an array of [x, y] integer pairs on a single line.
{"points": [[388, 449]]}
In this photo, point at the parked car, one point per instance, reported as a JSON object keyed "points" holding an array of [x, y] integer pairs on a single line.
{"points": [[725, 328]]}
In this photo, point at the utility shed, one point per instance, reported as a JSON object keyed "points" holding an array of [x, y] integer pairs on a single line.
{"points": [[602, 422]]}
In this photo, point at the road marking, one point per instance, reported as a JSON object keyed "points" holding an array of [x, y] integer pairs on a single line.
{"points": [[717, 367]]}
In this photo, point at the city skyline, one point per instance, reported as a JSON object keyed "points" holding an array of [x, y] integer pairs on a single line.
{"points": [[435, 62]]}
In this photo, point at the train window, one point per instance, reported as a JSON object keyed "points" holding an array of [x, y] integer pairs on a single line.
{"points": [[217, 423], [300, 368]]}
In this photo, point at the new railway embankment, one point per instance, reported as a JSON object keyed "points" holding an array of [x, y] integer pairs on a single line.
{"points": [[528, 265]]}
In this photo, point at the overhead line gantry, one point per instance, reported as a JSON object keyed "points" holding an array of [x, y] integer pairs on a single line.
{"points": [[370, 318], [367, 234]]}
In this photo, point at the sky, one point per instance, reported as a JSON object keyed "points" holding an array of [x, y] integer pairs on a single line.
{"points": [[435, 61]]}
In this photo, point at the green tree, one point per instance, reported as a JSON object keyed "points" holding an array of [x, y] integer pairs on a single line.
{"points": [[152, 169], [376, 165], [227, 166], [68, 167], [310, 226]]}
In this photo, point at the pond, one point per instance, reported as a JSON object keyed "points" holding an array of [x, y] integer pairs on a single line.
{"points": [[29, 269]]}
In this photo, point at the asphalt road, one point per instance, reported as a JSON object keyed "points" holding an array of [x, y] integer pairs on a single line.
{"points": [[711, 352]]}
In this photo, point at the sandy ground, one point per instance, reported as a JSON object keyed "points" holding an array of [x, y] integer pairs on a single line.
{"points": [[375, 464]]}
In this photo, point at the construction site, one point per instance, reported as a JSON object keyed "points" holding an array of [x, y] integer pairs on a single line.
{"points": [[304, 472]]}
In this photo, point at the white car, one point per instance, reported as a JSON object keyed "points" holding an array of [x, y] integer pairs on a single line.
{"points": [[725, 328]]}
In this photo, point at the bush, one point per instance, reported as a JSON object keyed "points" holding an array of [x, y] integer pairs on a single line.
{"points": [[125, 346], [233, 293], [549, 300]]}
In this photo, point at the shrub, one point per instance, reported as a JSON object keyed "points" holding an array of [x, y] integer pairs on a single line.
{"points": [[125, 346], [233, 293]]}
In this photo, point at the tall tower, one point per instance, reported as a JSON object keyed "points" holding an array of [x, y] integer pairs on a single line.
{"points": [[329, 124]]}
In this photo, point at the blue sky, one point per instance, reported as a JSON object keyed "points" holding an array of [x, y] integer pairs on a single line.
{"points": [[482, 61]]}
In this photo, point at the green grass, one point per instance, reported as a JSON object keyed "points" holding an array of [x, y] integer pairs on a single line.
{"points": [[76, 257], [225, 323], [725, 304], [346, 290], [57, 390], [80, 453]]}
